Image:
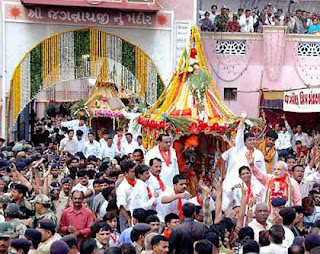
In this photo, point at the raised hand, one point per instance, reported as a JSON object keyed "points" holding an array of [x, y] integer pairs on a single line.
{"points": [[237, 186], [243, 189], [244, 115], [46, 173], [250, 159]]}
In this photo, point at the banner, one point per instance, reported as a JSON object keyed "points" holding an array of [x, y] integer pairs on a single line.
{"points": [[302, 101]]}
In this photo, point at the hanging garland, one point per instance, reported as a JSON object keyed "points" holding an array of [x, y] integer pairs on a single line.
{"points": [[78, 54]]}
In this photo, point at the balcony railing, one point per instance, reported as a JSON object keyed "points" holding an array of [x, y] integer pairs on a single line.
{"points": [[236, 43]]}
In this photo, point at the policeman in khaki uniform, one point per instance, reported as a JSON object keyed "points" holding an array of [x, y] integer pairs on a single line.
{"points": [[6, 231], [12, 216], [49, 235], [42, 204], [18, 194]]}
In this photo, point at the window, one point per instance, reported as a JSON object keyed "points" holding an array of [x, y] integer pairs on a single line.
{"points": [[231, 47], [230, 94]]}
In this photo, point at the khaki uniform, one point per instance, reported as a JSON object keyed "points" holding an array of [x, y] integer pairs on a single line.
{"points": [[47, 215], [44, 247], [61, 206], [26, 209], [19, 228]]}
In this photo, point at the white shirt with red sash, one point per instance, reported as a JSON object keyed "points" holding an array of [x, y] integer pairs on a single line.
{"points": [[142, 197], [169, 164]]}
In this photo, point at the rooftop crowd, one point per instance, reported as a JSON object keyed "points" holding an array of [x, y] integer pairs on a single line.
{"points": [[252, 20], [70, 192]]}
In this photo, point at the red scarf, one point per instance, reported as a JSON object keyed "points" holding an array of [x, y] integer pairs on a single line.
{"points": [[199, 200], [180, 208], [119, 141], [166, 233], [149, 192], [114, 238], [162, 187], [167, 159], [249, 194], [132, 182], [278, 188]]}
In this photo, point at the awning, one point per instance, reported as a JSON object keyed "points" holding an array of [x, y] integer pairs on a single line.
{"points": [[272, 100]]}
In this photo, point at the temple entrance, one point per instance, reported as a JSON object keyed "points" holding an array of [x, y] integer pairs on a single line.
{"points": [[62, 63]]}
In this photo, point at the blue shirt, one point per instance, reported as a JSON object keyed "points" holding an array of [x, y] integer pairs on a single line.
{"points": [[313, 28], [125, 236]]}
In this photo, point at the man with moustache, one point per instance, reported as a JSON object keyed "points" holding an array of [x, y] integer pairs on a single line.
{"points": [[6, 231], [173, 198], [76, 219], [298, 174], [155, 182], [168, 158]]}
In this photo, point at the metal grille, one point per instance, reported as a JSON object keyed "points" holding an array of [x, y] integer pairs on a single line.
{"points": [[231, 47], [309, 49]]}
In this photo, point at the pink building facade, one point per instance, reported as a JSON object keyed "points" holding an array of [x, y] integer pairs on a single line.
{"points": [[245, 65]]}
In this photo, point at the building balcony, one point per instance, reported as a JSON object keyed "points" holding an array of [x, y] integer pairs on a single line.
{"points": [[246, 64]]}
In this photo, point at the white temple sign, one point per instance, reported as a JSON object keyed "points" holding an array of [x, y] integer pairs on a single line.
{"points": [[302, 101], [182, 35]]}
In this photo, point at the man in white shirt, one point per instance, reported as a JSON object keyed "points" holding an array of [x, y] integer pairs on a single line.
{"points": [[213, 13], [104, 140], [142, 196], [302, 136], [283, 142], [246, 22], [80, 141], [260, 223], [173, 198], [298, 175], [129, 145], [140, 144], [235, 158], [277, 234], [83, 184], [155, 182], [288, 215], [119, 139], [77, 125], [92, 147], [109, 149], [168, 156], [124, 192], [68, 144]]}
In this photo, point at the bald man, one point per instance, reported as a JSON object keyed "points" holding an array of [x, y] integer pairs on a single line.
{"points": [[260, 223], [278, 185]]}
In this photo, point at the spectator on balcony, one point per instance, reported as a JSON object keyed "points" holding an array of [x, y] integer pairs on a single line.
{"points": [[277, 20], [206, 23], [289, 22], [269, 19], [257, 22], [213, 13], [300, 23], [246, 22], [314, 27], [221, 21], [240, 13], [281, 16], [233, 26]]}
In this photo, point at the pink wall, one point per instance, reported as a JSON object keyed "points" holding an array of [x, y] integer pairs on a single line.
{"points": [[271, 62]]}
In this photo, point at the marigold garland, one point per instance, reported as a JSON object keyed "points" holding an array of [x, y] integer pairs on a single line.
{"points": [[89, 46]]}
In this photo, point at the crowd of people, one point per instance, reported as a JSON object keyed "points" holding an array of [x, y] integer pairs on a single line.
{"points": [[70, 192], [253, 20]]}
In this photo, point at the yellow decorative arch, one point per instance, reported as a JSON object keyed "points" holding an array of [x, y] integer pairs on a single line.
{"points": [[82, 53]]}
